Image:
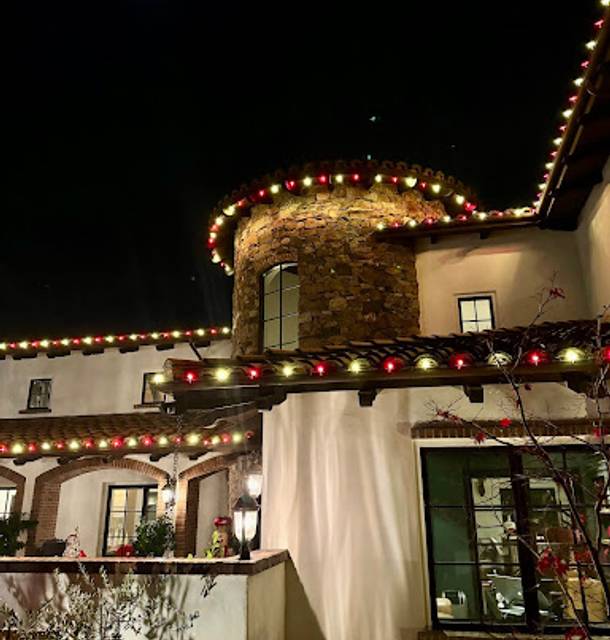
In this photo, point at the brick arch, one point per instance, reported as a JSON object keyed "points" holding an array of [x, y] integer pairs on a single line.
{"points": [[19, 481], [45, 502], [187, 499]]}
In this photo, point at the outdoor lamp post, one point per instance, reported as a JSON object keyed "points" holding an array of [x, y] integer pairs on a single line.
{"points": [[254, 484], [245, 520]]}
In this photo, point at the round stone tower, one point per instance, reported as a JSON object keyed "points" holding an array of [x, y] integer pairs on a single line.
{"points": [[321, 219]]}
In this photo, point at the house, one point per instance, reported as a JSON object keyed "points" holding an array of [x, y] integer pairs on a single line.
{"points": [[376, 309]]}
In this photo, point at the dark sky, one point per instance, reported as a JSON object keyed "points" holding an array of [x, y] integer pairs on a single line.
{"points": [[123, 124]]}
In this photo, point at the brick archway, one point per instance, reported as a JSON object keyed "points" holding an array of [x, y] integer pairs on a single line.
{"points": [[187, 504], [19, 481], [45, 502]]}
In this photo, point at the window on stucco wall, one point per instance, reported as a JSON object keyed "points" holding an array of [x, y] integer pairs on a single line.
{"points": [[280, 307], [476, 313]]}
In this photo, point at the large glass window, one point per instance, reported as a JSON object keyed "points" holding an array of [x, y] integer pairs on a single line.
{"points": [[489, 515], [280, 307], [127, 506]]}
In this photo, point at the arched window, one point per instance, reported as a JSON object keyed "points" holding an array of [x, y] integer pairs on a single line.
{"points": [[280, 307]]}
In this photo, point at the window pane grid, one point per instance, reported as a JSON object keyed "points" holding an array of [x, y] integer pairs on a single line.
{"points": [[280, 307], [127, 507], [476, 313], [39, 396]]}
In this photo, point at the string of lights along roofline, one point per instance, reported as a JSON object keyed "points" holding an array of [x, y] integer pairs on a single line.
{"points": [[580, 84], [433, 187], [107, 341], [535, 357], [122, 444]]}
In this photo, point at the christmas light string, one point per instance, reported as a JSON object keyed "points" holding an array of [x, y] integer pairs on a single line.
{"points": [[581, 89], [432, 186], [109, 341]]}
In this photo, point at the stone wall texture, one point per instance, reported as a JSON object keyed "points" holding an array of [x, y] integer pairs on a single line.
{"points": [[352, 287]]}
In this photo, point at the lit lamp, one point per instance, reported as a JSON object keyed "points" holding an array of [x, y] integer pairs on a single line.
{"points": [[254, 484], [245, 520], [168, 492]]}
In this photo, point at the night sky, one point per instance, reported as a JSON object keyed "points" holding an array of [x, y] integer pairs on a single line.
{"points": [[124, 123]]}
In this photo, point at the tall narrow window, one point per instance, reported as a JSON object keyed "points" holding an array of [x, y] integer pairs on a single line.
{"points": [[476, 313], [39, 396], [127, 507], [7, 500], [280, 308]]}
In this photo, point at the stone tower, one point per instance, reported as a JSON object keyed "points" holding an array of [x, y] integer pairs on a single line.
{"points": [[322, 219]]}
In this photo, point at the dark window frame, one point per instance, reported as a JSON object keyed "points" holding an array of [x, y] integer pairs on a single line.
{"points": [[526, 562], [281, 316], [47, 407], [145, 487], [474, 298], [153, 403]]}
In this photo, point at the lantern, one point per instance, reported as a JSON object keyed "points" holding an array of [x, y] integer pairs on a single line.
{"points": [[245, 521], [168, 492]]}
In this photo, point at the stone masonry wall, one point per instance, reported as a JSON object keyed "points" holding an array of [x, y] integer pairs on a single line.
{"points": [[352, 287]]}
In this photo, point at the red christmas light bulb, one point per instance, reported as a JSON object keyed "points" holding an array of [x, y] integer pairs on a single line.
{"points": [[3, 448], [88, 443], [117, 442], [290, 184], [321, 369], [32, 447], [190, 377], [254, 373], [226, 438], [60, 444], [391, 364], [356, 177], [606, 354], [147, 441], [322, 179], [394, 179]]}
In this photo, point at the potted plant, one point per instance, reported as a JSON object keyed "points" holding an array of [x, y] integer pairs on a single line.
{"points": [[10, 530], [154, 537]]}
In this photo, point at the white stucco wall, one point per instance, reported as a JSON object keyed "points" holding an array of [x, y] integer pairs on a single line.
{"points": [[109, 382], [237, 608], [340, 491], [593, 237], [513, 266]]}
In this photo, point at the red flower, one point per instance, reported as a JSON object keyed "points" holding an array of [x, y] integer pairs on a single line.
{"points": [[222, 521], [505, 423], [479, 437], [557, 292], [561, 566], [545, 560], [583, 557], [125, 551], [527, 386], [576, 633]]}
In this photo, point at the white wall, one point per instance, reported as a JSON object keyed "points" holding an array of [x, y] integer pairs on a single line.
{"points": [[594, 244], [237, 608], [109, 382], [340, 493], [513, 266], [82, 503], [213, 501]]}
